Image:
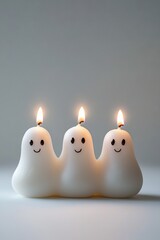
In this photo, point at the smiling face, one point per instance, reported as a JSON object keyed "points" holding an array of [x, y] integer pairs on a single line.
{"points": [[41, 143], [82, 141], [77, 142], [113, 143], [36, 143], [118, 143]]}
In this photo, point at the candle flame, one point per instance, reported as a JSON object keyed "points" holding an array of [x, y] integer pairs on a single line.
{"points": [[120, 119], [81, 115], [39, 116]]}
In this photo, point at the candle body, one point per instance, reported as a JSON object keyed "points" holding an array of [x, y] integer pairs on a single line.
{"points": [[119, 172], [78, 164], [36, 174]]}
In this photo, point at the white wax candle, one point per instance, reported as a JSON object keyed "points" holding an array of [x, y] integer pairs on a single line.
{"points": [[36, 173], [120, 174], [78, 162]]}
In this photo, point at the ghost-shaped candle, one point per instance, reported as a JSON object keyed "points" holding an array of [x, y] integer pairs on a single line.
{"points": [[120, 175], [36, 173], [78, 162]]}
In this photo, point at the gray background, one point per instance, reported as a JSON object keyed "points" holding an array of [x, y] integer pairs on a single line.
{"points": [[104, 55]]}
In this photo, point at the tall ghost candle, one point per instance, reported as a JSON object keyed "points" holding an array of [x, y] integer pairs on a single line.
{"points": [[78, 162], [120, 175], [36, 173]]}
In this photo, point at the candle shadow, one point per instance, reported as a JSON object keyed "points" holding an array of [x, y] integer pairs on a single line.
{"points": [[146, 197], [139, 197]]}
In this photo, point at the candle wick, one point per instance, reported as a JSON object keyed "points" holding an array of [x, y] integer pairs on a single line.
{"points": [[39, 123], [81, 122], [120, 125]]}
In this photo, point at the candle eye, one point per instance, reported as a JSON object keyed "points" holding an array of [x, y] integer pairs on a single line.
{"points": [[83, 140], [31, 142], [113, 142], [42, 142], [72, 140], [123, 142]]}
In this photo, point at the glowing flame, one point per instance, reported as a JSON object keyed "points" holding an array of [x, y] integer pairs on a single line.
{"points": [[39, 116], [81, 115], [120, 119]]}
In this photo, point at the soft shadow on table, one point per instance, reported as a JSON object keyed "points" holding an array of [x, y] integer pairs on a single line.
{"points": [[139, 197], [146, 197]]}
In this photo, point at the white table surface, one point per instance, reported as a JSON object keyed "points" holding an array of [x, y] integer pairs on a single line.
{"points": [[96, 218]]}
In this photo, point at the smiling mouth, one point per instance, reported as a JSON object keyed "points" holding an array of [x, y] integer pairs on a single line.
{"points": [[117, 150], [78, 151], [37, 151]]}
